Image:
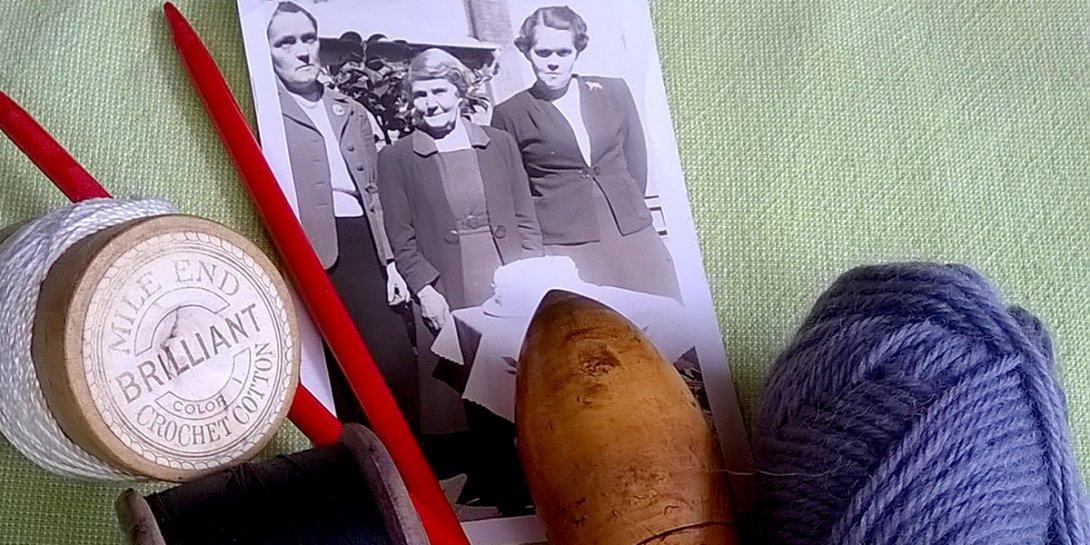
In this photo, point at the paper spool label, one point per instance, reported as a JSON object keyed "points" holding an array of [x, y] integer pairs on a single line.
{"points": [[188, 353]]}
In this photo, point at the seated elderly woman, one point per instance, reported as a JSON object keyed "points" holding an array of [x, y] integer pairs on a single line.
{"points": [[457, 206]]}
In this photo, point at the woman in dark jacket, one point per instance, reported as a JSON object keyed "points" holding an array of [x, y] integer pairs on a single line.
{"points": [[457, 206], [456, 196], [583, 147]]}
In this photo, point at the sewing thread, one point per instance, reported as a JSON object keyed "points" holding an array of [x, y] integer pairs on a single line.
{"points": [[315, 497], [25, 259]]}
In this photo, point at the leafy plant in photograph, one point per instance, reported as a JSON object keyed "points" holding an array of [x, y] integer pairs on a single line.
{"points": [[373, 73]]}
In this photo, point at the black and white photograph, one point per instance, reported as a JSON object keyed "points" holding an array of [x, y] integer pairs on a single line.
{"points": [[450, 162]]}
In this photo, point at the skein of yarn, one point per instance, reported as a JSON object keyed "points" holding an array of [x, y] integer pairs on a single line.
{"points": [[914, 407]]}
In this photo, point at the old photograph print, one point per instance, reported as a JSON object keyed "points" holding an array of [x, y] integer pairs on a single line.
{"points": [[453, 160]]}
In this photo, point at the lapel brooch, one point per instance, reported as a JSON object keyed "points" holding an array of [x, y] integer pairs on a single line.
{"points": [[338, 109], [594, 85]]}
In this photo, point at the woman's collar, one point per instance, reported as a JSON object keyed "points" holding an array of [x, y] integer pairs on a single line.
{"points": [[465, 130], [539, 91]]}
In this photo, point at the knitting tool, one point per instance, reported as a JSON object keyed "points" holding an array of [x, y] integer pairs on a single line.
{"points": [[914, 406], [43, 150], [314, 285], [306, 412], [615, 448], [346, 493]]}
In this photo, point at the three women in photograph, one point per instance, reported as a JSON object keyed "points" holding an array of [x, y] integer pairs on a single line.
{"points": [[562, 170]]}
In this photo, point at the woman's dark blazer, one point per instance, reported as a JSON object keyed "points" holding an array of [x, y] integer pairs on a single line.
{"points": [[560, 178], [418, 218]]}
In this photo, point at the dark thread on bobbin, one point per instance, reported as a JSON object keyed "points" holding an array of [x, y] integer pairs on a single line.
{"points": [[346, 494]]}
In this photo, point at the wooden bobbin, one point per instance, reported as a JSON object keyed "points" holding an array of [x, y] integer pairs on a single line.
{"points": [[615, 448], [402, 524], [167, 346]]}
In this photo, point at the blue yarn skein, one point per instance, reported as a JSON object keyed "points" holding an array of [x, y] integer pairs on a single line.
{"points": [[913, 407]]}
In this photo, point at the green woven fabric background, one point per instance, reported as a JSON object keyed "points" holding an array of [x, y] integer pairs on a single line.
{"points": [[815, 136]]}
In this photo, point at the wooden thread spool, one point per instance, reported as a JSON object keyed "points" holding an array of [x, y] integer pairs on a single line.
{"points": [[166, 346], [615, 448], [384, 487]]}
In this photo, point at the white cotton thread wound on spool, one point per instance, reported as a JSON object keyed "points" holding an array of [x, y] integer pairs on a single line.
{"points": [[25, 259]]}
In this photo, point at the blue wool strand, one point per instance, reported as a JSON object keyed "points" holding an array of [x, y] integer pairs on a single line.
{"points": [[914, 407]]}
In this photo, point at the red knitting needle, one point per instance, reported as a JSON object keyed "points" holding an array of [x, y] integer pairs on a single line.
{"points": [[314, 287], [43, 150], [307, 413], [313, 419]]}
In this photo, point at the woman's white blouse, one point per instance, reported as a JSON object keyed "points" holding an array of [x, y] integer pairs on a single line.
{"points": [[569, 106], [346, 198]]}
